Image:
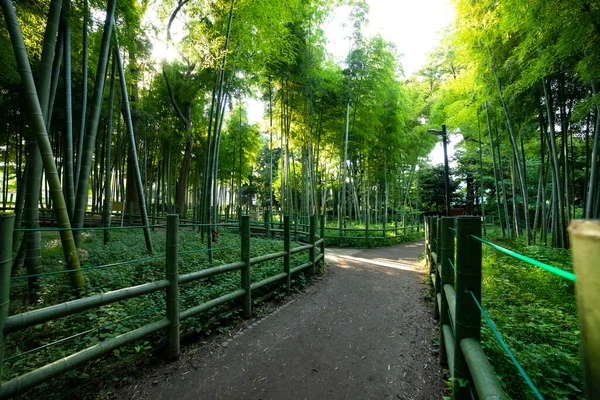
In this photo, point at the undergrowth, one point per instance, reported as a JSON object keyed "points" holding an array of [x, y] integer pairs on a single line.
{"points": [[357, 238], [535, 311], [98, 378]]}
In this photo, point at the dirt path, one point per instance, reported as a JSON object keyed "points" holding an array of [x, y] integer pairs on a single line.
{"points": [[363, 332]]}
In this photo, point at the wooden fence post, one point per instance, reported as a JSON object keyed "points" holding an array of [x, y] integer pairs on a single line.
{"points": [[7, 222], [446, 278], [312, 239], [295, 217], [585, 246], [153, 205], [287, 248], [322, 234], [245, 278], [173, 346], [427, 252], [267, 224], [432, 245], [468, 280], [367, 229], [437, 268], [131, 210]]}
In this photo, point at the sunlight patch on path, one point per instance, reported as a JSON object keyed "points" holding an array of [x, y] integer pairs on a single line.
{"points": [[382, 262]]}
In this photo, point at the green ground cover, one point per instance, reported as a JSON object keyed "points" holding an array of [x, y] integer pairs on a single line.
{"points": [[356, 238], [85, 329], [535, 311]]}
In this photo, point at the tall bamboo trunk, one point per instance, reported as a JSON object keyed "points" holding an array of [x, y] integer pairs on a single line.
{"points": [[343, 197], [503, 185], [126, 110], [107, 184], [593, 200], [38, 126], [68, 181], [84, 95], [561, 223], [89, 139], [519, 167]]}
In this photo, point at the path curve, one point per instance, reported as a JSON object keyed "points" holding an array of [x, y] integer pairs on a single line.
{"points": [[363, 332]]}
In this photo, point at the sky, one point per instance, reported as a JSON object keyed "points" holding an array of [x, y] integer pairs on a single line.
{"points": [[415, 27]]}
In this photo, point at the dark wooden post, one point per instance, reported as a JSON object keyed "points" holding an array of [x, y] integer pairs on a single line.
{"points": [[7, 222], [287, 248], [468, 280], [267, 224], [312, 239], [437, 268], [173, 346], [447, 278], [245, 278]]}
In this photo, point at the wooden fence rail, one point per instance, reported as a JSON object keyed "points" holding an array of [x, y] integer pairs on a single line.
{"points": [[171, 284], [453, 254]]}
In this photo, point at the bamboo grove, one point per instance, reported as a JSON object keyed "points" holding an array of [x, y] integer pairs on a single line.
{"points": [[89, 118], [517, 82]]}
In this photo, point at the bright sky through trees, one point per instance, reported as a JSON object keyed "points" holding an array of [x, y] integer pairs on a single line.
{"points": [[414, 26]]}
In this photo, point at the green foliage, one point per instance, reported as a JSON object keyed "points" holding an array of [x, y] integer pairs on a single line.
{"points": [[356, 238], [114, 319], [536, 314]]}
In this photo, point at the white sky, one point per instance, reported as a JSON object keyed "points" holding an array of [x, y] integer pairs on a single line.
{"points": [[413, 25]]}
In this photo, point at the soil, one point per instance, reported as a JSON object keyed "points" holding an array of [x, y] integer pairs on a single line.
{"points": [[364, 331]]}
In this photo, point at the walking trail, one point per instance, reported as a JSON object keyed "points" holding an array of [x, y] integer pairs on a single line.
{"points": [[362, 332]]}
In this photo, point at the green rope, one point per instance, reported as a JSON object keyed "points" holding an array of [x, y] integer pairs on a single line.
{"points": [[82, 333], [452, 264], [557, 271], [206, 250], [506, 349], [100, 228], [88, 268], [452, 229]]}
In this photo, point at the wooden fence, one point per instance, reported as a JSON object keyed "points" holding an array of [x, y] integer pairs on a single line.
{"points": [[170, 284], [454, 256]]}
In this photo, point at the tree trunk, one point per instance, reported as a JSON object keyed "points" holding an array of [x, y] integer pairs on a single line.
{"points": [[68, 182], [89, 139], [39, 127], [107, 184], [520, 168], [132, 148], [84, 97], [501, 176], [561, 223], [593, 199]]}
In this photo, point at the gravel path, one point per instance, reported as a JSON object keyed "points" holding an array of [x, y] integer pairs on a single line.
{"points": [[362, 332]]}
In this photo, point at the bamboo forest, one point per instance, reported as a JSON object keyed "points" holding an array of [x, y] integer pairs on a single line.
{"points": [[173, 169]]}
